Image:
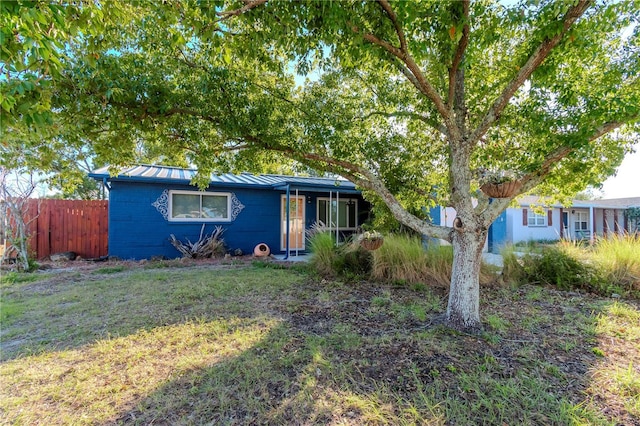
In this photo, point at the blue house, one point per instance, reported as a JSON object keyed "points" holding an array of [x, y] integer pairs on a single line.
{"points": [[149, 203]]}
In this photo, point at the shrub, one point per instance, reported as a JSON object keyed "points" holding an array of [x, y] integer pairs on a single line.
{"points": [[557, 267], [512, 265], [356, 261]]}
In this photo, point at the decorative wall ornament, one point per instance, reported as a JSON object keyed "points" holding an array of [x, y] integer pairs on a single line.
{"points": [[162, 204], [236, 207]]}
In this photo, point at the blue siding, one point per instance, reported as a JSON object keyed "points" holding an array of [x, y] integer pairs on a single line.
{"points": [[497, 233], [137, 230], [434, 214]]}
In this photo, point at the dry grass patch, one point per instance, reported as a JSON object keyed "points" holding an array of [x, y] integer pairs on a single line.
{"points": [[98, 382]]}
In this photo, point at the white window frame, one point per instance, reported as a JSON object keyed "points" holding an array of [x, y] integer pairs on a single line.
{"points": [[327, 199], [577, 219], [536, 220], [199, 219]]}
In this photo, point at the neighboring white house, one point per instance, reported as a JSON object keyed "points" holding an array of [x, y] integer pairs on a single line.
{"points": [[536, 220], [583, 220]]}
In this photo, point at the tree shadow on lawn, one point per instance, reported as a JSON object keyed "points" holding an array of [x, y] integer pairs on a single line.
{"points": [[326, 364]]}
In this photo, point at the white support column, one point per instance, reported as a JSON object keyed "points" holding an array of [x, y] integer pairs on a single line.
{"points": [[337, 215], [592, 218], [330, 210]]}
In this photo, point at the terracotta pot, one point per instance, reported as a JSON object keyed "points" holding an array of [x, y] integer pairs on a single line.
{"points": [[261, 250], [501, 190]]}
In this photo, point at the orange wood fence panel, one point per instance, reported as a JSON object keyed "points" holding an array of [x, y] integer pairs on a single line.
{"points": [[57, 226]]}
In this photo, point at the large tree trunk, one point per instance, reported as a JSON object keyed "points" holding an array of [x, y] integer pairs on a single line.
{"points": [[463, 310]]}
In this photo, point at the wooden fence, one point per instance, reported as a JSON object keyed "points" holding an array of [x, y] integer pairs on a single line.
{"points": [[56, 226]]}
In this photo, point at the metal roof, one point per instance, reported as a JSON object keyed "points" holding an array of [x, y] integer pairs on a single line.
{"points": [[612, 203], [166, 174]]}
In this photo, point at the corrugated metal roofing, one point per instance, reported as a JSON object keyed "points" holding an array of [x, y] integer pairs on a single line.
{"points": [[612, 203], [179, 175]]}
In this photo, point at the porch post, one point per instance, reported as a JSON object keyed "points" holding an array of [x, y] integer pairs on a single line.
{"points": [[288, 215], [337, 215], [593, 223], [330, 210]]}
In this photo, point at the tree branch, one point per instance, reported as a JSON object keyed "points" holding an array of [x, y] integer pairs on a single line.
{"points": [[409, 68], [533, 179], [413, 73], [457, 58], [534, 61], [394, 19], [224, 15], [364, 178]]}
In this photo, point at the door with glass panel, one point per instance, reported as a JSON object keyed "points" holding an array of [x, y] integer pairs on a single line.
{"points": [[296, 222]]}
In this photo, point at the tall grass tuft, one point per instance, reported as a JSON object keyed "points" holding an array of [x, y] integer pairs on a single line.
{"points": [[402, 258], [324, 254], [619, 259]]}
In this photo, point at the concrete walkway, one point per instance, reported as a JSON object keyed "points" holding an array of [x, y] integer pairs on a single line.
{"points": [[490, 258], [301, 257], [493, 259]]}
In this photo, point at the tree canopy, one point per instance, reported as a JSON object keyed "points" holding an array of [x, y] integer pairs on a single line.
{"points": [[418, 103]]}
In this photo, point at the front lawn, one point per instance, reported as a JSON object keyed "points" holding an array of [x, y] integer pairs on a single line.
{"points": [[254, 345]]}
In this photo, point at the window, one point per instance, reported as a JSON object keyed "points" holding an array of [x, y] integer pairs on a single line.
{"points": [[200, 207], [535, 219], [581, 221], [346, 213]]}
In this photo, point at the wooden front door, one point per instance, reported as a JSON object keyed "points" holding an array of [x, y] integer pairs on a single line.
{"points": [[296, 222]]}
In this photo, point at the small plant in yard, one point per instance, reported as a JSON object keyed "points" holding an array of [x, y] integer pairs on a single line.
{"points": [[497, 324], [13, 277], [206, 246]]}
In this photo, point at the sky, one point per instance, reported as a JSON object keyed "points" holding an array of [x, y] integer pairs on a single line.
{"points": [[626, 183]]}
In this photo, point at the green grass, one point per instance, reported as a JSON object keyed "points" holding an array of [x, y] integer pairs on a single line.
{"points": [[8, 278], [263, 345]]}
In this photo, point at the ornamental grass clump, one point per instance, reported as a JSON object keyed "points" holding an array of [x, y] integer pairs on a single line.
{"points": [[618, 257], [324, 254], [403, 258], [400, 258], [348, 260]]}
